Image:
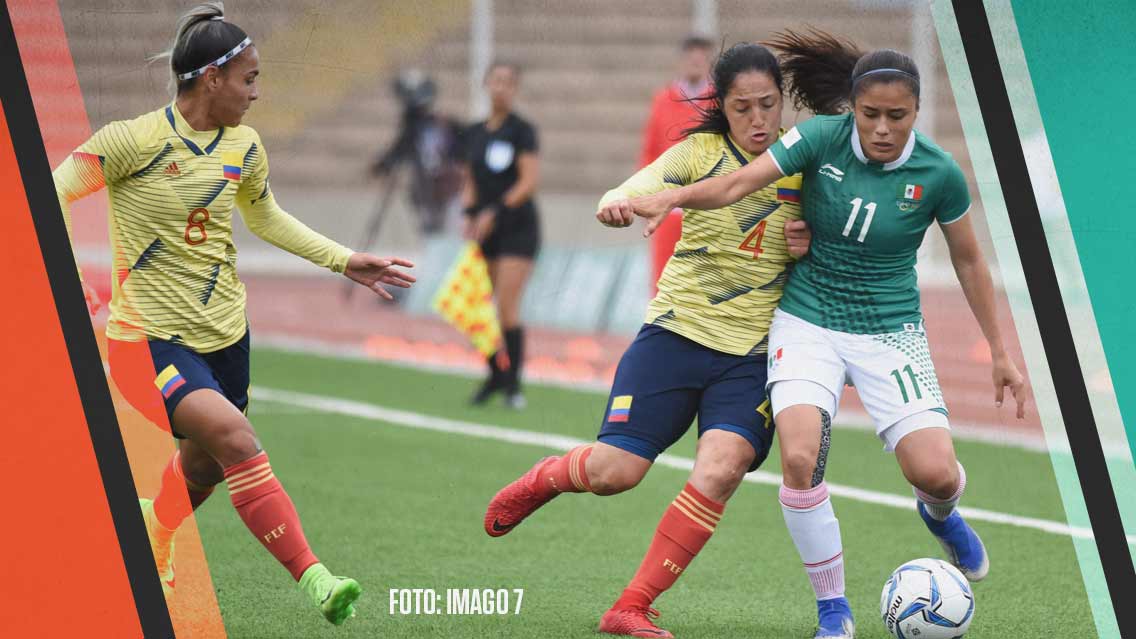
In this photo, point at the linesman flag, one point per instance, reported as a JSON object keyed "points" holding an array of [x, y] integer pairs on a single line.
{"points": [[465, 300]]}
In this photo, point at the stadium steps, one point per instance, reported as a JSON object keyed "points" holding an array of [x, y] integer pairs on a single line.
{"points": [[301, 43], [111, 41], [361, 37], [590, 68]]}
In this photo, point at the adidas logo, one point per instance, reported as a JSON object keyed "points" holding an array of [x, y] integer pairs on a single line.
{"points": [[172, 169]]}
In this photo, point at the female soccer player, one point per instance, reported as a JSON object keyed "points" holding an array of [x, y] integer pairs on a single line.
{"points": [[502, 217], [872, 186], [174, 177], [702, 351]]}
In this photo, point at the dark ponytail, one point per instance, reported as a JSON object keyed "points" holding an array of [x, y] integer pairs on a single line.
{"points": [[202, 37], [826, 72], [740, 58]]}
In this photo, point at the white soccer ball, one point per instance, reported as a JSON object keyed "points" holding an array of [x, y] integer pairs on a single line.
{"points": [[927, 599]]}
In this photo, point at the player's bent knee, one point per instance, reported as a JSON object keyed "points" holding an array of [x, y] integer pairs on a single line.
{"points": [[614, 481], [719, 481], [612, 470], [614, 478], [938, 479], [234, 442], [722, 460], [798, 466]]}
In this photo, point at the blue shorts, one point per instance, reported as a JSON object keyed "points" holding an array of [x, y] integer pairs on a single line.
{"points": [[180, 370], [664, 380]]}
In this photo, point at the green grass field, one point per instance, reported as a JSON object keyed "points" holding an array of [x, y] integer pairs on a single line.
{"points": [[398, 507]]}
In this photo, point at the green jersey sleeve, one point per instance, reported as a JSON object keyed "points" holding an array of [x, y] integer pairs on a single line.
{"points": [[955, 200], [801, 146]]}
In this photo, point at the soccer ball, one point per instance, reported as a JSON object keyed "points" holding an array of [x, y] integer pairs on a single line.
{"points": [[927, 599]]}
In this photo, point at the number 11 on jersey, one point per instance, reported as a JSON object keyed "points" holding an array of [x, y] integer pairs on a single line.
{"points": [[870, 209]]}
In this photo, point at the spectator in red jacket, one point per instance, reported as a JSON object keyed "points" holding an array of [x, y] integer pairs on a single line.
{"points": [[673, 110]]}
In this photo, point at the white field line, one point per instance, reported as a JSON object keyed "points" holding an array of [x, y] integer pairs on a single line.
{"points": [[412, 419], [993, 434]]}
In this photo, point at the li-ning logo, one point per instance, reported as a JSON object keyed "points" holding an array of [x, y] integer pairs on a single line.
{"points": [[831, 171]]}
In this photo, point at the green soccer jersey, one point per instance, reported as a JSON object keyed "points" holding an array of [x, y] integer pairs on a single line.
{"points": [[867, 220]]}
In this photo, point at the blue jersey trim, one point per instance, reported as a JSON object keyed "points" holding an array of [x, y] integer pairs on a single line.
{"points": [[733, 149], [189, 144]]}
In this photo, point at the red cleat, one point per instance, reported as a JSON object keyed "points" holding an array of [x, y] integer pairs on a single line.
{"points": [[633, 622], [516, 501]]}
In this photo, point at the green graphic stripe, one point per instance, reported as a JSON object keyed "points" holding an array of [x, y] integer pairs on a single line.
{"points": [[1075, 52], [1004, 32]]}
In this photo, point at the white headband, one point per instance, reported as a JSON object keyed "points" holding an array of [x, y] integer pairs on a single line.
{"points": [[246, 43]]}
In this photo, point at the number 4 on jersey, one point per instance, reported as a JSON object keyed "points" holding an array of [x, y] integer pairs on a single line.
{"points": [[753, 240]]}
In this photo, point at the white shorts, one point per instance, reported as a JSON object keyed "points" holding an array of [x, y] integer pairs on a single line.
{"points": [[892, 373]]}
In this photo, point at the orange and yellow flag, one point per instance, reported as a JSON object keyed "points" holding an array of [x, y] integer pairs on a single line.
{"points": [[465, 300]]}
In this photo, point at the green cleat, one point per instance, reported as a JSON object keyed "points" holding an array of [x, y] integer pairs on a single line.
{"points": [[161, 544], [335, 596]]}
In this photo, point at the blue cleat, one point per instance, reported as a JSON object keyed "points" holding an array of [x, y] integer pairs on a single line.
{"points": [[835, 619], [962, 545]]}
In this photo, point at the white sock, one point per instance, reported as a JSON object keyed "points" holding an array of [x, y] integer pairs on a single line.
{"points": [[815, 531], [940, 509]]}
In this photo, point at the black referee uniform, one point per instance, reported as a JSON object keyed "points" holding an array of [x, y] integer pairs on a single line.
{"points": [[493, 159], [493, 162]]}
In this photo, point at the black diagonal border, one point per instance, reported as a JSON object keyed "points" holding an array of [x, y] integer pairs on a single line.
{"points": [[1048, 306], [86, 364]]}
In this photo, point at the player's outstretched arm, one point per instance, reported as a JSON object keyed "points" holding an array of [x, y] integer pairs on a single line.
{"points": [[373, 272], [708, 195], [616, 213], [272, 224], [677, 163], [974, 275]]}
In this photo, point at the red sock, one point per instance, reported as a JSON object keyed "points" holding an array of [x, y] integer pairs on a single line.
{"points": [[685, 528], [566, 474], [268, 512], [170, 505]]}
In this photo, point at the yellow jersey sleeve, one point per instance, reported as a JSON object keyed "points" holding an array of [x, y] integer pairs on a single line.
{"points": [[268, 221], [674, 168], [106, 158], [730, 265], [172, 194]]}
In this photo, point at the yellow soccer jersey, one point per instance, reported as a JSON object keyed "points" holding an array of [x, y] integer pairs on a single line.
{"points": [[172, 192], [728, 270]]}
